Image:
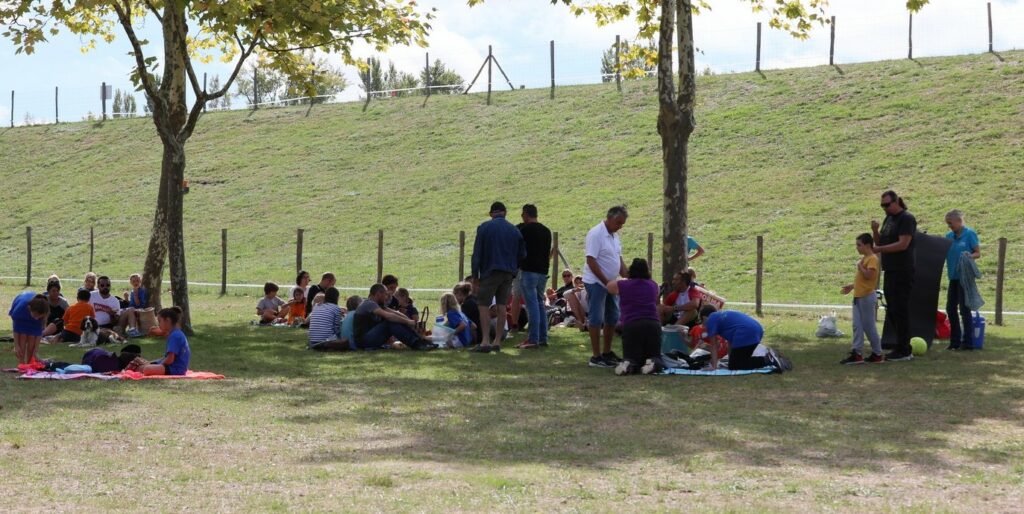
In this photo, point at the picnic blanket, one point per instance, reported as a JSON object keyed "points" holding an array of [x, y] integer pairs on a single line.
{"points": [[718, 372], [124, 375]]}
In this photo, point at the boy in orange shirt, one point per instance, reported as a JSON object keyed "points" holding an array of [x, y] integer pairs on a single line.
{"points": [[864, 299], [75, 314]]}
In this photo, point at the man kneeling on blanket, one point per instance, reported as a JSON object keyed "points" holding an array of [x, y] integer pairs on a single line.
{"points": [[176, 358], [744, 335]]}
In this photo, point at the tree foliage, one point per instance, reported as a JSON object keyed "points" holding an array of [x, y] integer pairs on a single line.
{"points": [[634, 61], [201, 30]]}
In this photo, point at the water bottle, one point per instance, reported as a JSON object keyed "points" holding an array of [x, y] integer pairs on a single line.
{"points": [[439, 320]]}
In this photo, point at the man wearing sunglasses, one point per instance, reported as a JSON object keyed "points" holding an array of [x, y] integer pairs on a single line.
{"points": [[894, 241]]}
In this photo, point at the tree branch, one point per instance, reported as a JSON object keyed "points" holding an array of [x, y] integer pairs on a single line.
{"points": [[124, 14], [246, 52], [266, 46], [153, 9]]}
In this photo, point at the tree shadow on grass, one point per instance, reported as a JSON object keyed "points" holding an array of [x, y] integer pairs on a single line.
{"points": [[547, 407]]}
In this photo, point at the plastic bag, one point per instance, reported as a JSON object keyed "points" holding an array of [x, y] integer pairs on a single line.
{"points": [[827, 327]]}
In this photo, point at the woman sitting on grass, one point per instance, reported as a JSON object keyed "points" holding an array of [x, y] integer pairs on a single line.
{"points": [[178, 354]]}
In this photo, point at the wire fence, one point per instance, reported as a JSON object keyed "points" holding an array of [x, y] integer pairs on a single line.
{"points": [[723, 46], [230, 263]]}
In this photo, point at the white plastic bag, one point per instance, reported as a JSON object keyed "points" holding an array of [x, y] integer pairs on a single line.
{"points": [[443, 336], [827, 327]]}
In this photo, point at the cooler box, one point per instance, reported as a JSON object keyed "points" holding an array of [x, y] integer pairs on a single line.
{"points": [[673, 337], [978, 336]]}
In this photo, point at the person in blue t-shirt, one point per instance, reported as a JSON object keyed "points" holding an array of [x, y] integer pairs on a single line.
{"points": [[965, 240], [744, 334], [178, 354], [456, 320], [693, 249], [28, 316]]}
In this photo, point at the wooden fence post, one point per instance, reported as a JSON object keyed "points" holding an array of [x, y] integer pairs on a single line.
{"points": [[1000, 277], [832, 43], [298, 249], [760, 275], [990, 50], [553, 68], [910, 37], [28, 267], [380, 255], [757, 62], [426, 75], [92, 246], [650, 252], [223, 261], [367, 86], [554, 260], [462, 255], [618, 64]]}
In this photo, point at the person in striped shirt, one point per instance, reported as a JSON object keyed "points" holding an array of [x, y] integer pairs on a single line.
{"points": [[325, 324]]}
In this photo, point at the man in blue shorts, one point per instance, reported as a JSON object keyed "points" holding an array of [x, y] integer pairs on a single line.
{"points": [[604, 264]]}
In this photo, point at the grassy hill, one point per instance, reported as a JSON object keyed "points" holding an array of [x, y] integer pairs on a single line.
{"points": [[798, 156]]}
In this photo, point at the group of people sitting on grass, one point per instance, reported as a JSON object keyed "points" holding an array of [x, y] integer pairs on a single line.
{"points": [[507, 294], [97, 317]]}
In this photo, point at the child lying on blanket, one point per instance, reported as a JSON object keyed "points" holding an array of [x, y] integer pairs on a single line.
{"points": [[178, 354]]}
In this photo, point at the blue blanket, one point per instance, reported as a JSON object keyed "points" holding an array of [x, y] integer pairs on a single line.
{"points": [[718, 372]]}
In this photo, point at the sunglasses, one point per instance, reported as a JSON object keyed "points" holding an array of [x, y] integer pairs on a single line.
{"points": [[885, 205]]}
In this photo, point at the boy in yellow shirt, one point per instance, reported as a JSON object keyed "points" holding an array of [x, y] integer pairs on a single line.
{"points": [[864, 299]]}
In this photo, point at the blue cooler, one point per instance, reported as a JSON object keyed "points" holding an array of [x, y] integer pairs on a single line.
{"points": [[978, 336], [673, 338]]}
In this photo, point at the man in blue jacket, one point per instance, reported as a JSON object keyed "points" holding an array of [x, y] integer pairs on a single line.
{"points": [[498, 248]]}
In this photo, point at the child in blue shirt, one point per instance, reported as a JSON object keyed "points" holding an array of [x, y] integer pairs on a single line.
{"points": [[964, 240], [455, 319], [178, 354]]}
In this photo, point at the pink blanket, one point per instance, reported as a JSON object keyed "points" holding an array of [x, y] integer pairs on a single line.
{"points": [[124, 375]]}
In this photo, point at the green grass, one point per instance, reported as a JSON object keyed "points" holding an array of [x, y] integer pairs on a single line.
{"points": [[292, 430], [798, 156]]}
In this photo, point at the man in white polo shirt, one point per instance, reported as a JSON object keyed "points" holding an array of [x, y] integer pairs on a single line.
{"points": [[604, 264]]}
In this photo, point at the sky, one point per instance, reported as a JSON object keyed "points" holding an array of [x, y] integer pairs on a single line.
{"points": [[520, 31]]}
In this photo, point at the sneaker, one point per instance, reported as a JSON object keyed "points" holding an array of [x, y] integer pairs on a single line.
{"points": [[611, 358], [134, 333], [543, 344], [953, 347], [896, 356], [625, 367], [778, 360], [966, 348], [481, 349], [599, 362], [853, 358], [651, 367], [875, 358]]}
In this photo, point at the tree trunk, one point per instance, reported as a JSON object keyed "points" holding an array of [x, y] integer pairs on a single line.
{"points": [[167, 240], [675, 124]]}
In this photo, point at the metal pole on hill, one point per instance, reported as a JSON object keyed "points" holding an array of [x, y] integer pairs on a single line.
{"points": [[56, 104], [426, 75], [552, 69], [103, 99], [618, 65], [757, 61], [832, 43], [490, 57], [12, 108], [910, 37], [204, 90], [255, 89], [367, 86], [990, 50]]}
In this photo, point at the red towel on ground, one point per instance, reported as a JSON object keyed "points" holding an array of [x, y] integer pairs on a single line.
{"points": [[196, 375]]}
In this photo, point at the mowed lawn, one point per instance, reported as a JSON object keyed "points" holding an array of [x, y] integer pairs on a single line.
{"points": [[520, 431]]}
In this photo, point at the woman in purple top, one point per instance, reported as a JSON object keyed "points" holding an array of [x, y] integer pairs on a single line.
{"points": [[641, 326]]}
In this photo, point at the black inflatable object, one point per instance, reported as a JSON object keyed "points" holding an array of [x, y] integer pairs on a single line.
{"points": [[930, 264]]}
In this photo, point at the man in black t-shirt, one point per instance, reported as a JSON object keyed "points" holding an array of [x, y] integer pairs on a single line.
{"points": [[534, 275], [894, 241], [327, 281]]}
